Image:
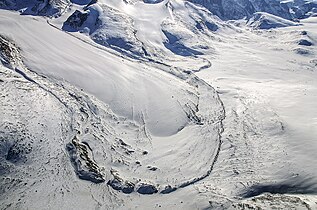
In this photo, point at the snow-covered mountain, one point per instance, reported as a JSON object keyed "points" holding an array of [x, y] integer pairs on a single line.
{"points": [[226, 9], [36, 7], [237, 9], [130, 104]]}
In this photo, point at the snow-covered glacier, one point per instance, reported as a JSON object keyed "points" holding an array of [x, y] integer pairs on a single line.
{"points": [[145, 104]]}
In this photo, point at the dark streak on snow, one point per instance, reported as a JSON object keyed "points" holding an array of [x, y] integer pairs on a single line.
{"points": [[292, 186]]}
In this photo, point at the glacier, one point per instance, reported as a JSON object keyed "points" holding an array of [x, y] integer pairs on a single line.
{"points": [[132, 104]]}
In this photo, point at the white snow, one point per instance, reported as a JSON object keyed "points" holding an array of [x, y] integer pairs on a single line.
{"points": [[219, 115], [127, 86]]}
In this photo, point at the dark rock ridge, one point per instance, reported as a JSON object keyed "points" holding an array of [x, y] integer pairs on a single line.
{"points": [[84, 165], [76, 20]]}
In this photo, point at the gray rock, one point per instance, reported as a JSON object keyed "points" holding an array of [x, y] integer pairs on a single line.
{"points": [[120, 185], [305, 42], [147, 189], [76, 20]]}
